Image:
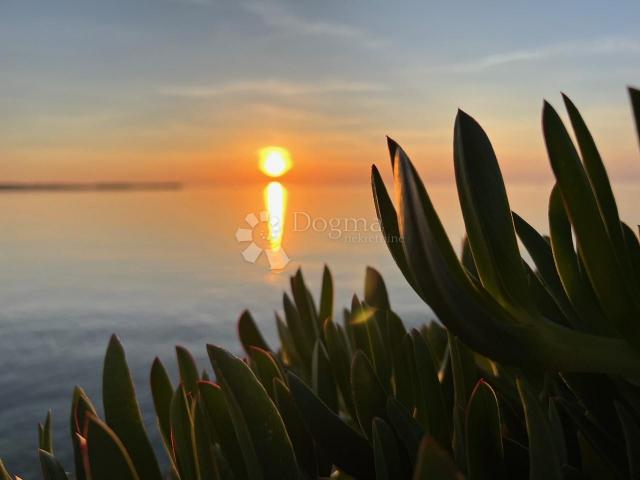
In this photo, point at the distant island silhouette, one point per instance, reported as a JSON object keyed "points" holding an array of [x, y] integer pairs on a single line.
{"points": [[95, 186]]}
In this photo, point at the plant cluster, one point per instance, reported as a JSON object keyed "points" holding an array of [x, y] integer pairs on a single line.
{"points": [[533, 375]]}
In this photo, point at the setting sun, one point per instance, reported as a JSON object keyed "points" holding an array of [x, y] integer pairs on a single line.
{"points": [[275, 161]]}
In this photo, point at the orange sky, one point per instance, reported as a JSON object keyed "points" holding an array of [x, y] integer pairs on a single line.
{"points": [[190, 90]]}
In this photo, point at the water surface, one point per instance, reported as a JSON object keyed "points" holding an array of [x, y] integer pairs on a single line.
{"points": [[165, 268]]}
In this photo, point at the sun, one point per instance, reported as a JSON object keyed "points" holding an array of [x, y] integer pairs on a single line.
{"points": [[275, 161]]}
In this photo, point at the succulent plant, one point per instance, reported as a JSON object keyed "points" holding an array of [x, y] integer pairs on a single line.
{"points": [[579, 311], [533, 375]]}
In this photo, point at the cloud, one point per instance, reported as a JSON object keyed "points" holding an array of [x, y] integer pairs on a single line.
{"points": [[603, 46], [268, 87], [279, 18]]}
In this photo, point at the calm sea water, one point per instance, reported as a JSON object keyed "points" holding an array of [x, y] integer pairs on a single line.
{"points": [[165, 268]]}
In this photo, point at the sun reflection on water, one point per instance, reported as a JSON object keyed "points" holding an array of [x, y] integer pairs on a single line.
{"points": [[275, 199]]}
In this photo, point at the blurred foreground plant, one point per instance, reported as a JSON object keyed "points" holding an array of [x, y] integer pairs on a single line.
{"points": [[365, 398]]}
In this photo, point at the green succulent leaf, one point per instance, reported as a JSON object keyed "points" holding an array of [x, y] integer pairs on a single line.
{"points": [[434, 463], [557, 432], [304, 305], [326, 296], [390, 461], [544, 463], [598, 177], [81, 406], [322, 379], [367, 336], [182, 435], [230, 431], [345, 447], [122, 412], [162, 393], [542, 255], [249, 333], [593, 464], [302, 334], [4, 474], [406, 427], [267, 368], [631, 431], [45, 436], [431, 410], [608, 448], [465, 376], [105, 455], [268, 434], [389, 226], [301, 439], [369, 395], [338, 352], [189, 376], [375, 291], [487, 214], [633, 246], [289, 353], [485, 454], [203, 446], [568, 268], [51, 468], [597, 251]]}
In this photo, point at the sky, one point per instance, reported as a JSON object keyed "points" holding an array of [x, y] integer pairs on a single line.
{"points": [[190, 90]]}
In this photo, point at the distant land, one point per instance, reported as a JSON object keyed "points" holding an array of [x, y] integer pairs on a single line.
{"points": [[82, 187]]}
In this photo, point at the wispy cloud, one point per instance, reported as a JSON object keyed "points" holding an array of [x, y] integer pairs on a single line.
{"points": [[280, 19], [270, 87], [603, 46]]}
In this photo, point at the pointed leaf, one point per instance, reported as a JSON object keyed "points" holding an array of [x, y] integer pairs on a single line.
{"points": [[597, 176], [122, 412], [390, 462], [375, 291], [46, 439], [300, 437], [542, 256], [632, 439], [485, 455], [487, 215], [80, 407], [105, 454], [4, 474], [265, 425], [389, 226], [303, 337], [434, 463], [51, 468], [181, 435], [326, 295], [189, 376], [346, 448], [431, 410], [408, 430], [322, 379], [162, 392], [369, 395], [339, 360], [267, 368], [544, 463], [603, 267], [249, 333], [232, 436]]}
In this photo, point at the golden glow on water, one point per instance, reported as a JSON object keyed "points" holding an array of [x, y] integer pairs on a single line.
{"points": [[275, 200], [275, 161]]}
